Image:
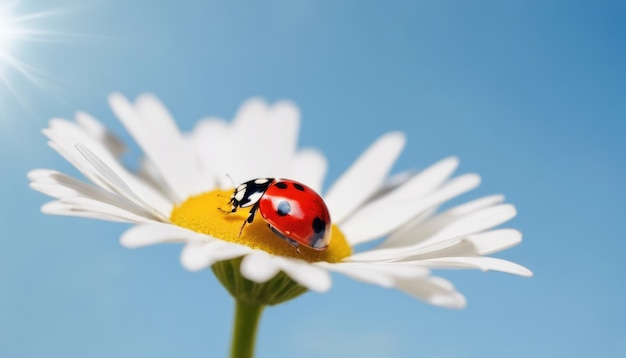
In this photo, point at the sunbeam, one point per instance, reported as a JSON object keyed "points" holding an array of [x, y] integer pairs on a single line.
{"points": [[16, 31]]}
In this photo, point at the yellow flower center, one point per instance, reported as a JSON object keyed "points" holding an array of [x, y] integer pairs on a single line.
{"points": [[203, 213]]}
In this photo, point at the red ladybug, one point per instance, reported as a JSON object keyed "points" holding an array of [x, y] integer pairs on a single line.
{"points": [[292, 210]]}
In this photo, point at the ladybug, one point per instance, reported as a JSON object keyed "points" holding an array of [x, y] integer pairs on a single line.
{"points": [[292, 210]]}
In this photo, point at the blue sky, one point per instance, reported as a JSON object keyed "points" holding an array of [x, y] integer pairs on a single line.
{"points": [[529, 94]]}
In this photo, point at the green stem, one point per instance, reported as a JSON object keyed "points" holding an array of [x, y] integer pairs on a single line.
{"points": [[247, 319]]}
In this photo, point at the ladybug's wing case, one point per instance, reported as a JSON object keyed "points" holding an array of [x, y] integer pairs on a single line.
{"points": [[297, 212]]}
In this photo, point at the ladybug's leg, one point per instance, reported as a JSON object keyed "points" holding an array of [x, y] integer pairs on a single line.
{"points": [[250, 218], [234, 205], [291, 242], [232, 210]]}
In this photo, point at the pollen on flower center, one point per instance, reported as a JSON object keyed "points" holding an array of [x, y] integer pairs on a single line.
{"points": [[202, 214]]}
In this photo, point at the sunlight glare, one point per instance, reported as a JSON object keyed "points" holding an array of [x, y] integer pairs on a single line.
{"points": [[15, 31], [8, 33]]}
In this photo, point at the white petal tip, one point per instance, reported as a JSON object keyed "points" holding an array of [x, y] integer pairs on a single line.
{"points": [[452, 162], [313, 277], [510, 268], [321, 288], [258, 267], [193, 264], [51, 208], [395, 136], [253, 105], [524, 272], [286, 107], [38, 173], [129, 242], [197, 256], [192, 267], [322, 285], [456, 301], [474, 179], [147, 97], [116, 97]]}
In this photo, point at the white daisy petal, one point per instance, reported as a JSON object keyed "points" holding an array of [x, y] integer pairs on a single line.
{"points": [[454, 243], [490, 242], [156, 233], [62, 186], [383, 216], [364, 177], [397, 179], [434, 290], [418, 230], [100, 132], [280, 147], [424, 182], [52, 189], [59, 185], [392, 183], [358, 273], [153, 128], [382, 274], [165, 137], [258, 266], [472, 223], [223, 250], [310, 168], [66, 136], [196, 256], [401, 270], [83, 209], [481, 263], [200, 255], [310, 276], [475, 222], [249, 127], [212, 142], [151, 176], [266, 139], [470, 207], [265, 143], [395, 254], [473, 245], [110, 178]]}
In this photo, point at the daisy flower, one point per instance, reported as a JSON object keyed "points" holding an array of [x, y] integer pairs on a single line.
{"points": [[183, 186]]}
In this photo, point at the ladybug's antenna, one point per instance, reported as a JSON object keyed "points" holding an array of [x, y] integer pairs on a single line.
{"points": [[231, 179]]}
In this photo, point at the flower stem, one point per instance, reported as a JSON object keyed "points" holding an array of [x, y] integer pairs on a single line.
{"points": [[247, 319]]}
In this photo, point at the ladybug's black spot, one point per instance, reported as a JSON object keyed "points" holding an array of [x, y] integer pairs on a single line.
{"points": [[298, 186], [283, 208], [318, 225], [281, 185]]}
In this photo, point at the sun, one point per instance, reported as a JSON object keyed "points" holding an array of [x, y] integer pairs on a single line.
{"points": [[9, 33], [18, 30]]}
